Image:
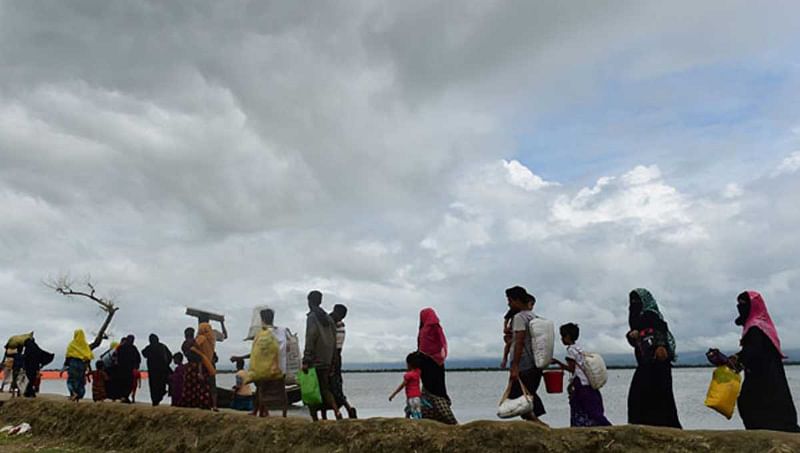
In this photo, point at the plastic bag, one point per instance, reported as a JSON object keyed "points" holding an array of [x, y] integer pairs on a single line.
{"points": [[723, 391], [255, 322], [309, 387], [265, 357]]}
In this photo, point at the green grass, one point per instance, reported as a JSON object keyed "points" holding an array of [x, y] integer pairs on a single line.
{"points": [[28, 443]]}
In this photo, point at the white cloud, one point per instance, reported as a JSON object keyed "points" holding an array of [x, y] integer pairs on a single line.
{"points": [[788, 165], [366, 150], [521, 176], [638, 196]]}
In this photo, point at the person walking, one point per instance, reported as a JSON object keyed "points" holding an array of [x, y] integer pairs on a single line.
{"points": [[205, 348], [319, 350], [176, 379], [33, 359], [158, 358], [585, 402], [337, 382], [411, 384], [99, 378], [195, 389], [77, 363], [765, 401], [267, 366], [126, 359], [8, 368], [650, 399], [431, 355], [523, 370]]}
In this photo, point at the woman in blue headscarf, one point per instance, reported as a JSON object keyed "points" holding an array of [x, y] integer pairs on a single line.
{"points": [[650, 399]]}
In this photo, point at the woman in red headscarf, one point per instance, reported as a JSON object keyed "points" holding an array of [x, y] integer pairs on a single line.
{"points": [[432, 350], [765, 401]]}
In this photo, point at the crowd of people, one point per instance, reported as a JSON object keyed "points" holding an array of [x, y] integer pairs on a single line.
{"points": [[765, 401]]}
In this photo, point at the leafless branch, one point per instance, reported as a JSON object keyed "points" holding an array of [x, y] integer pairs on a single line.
{"points": [[64, 285]]}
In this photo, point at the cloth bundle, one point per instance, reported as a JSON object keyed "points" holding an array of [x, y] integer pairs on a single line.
{"points": [[509, 408], [594, 367]]}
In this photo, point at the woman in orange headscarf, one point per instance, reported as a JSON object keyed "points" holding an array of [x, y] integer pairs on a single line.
{"points": [[205, 346]]}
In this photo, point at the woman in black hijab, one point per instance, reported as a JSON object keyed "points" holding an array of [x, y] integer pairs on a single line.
{"points": [[34, 358], [651, 400], [128, 359], [158, 358]]}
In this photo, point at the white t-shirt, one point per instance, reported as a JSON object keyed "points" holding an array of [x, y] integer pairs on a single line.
{"points": [[574, 352], [520, 324]]}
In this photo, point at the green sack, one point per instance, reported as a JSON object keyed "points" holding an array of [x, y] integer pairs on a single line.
{"points": [[309, 387]]}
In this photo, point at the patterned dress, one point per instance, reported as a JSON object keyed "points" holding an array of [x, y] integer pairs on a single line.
{"points": [[196, 391]]}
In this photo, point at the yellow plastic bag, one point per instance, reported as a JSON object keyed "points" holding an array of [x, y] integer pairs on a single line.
{"points": [[265, 358], [723, 391]]}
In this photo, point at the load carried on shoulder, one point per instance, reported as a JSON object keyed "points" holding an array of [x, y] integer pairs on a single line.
{"points": [[594, 367], [543, 335], [17, 341]]}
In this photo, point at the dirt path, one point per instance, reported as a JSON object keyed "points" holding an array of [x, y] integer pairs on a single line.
{"points": [[163, 429]]}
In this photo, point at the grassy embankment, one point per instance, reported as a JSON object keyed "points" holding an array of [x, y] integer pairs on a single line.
{"points": [[64, 426]]}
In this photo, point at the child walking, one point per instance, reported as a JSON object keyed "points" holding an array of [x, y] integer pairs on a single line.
{"points": [[99, 378], [585, 403], [137, 384], [411, 382]]}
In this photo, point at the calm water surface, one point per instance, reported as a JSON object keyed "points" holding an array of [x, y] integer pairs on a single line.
{"points": [[475, 396]]}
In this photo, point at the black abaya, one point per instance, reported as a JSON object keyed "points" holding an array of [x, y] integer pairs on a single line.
{"points": [[432, 376], [765, 401], [436, 402], [128, 359], [650, 398], [34, 358]]}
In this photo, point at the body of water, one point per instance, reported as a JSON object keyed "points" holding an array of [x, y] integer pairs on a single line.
{"points": [[475, 396]]}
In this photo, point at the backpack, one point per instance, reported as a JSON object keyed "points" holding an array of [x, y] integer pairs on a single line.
{"points": [[265, 358], [594, 367], [543, 335]]}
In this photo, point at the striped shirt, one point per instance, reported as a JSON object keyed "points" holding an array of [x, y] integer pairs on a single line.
{"points": [[339, 335]]}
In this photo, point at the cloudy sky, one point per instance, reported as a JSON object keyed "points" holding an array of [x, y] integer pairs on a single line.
{"points": [[396, 156]]}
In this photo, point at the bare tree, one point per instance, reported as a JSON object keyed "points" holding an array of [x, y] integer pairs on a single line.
{"points": [[65, 285]]}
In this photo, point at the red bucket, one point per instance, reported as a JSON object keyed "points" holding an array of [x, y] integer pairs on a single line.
{"points": [[554, 381]]}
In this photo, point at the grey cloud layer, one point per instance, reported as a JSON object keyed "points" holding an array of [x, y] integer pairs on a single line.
{"points": [[231, 154]]}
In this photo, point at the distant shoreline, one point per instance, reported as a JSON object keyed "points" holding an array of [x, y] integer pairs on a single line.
{"points": [[480, 369], [489, 369]]}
